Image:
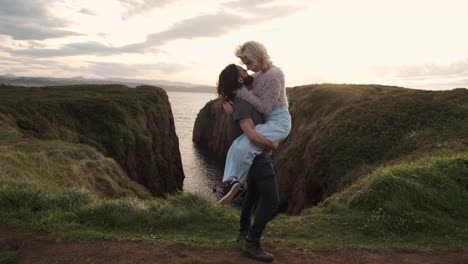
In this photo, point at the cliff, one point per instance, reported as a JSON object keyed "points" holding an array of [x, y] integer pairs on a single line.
{"points": [[210, 130], [341, 132], [133, 127]]}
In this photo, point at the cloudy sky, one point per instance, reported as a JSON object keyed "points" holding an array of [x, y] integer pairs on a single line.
{"points": [[411, 43]]}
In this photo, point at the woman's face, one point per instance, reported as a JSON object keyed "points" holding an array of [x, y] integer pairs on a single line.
{"points": [[249, 64]]}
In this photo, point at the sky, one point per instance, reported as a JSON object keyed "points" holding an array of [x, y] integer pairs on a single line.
{"points": [[411, 43]]}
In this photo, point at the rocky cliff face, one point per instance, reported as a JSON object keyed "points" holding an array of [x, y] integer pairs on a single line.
{"points": [[340, 132], [135, 127], [210, 129]]}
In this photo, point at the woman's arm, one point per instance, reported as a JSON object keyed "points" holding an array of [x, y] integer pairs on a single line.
{"points": [[264, 98]]}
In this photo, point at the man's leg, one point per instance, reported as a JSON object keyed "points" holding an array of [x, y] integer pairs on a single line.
{"points": [[248, 207], [268, 203]]}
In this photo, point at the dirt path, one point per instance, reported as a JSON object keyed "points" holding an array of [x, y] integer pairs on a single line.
{"points": [[38, 249]]}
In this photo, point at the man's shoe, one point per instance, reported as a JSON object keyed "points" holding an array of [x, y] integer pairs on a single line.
{"points": [[231, 191], [254, 250], [243, 235]]}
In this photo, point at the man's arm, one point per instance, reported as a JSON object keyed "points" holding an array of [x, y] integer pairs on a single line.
{"points": [[257, 139]]}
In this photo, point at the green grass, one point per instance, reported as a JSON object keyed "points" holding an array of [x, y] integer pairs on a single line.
{"points": [[342, 132], [409, 193], [133, 126], [416, 205], [54, 165], [429, 195], [8, 257]]}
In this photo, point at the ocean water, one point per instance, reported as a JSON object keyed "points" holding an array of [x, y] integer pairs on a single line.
{"points": [[202, 174]]}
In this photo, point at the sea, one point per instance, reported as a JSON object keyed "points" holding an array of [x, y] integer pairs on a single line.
{"points": [[203, 174]]}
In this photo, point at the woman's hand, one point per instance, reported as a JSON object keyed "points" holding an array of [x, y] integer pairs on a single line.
{"points": [[228, 107]]}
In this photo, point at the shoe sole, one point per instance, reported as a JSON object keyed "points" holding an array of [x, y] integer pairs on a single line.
{"points": [[247, 254], [231, 194]]}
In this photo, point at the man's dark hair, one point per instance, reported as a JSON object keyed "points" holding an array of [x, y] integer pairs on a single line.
{"points": [[228, 82]]}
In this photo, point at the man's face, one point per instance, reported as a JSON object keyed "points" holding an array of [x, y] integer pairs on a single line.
{"points": [[245, 78], [242, 72]]}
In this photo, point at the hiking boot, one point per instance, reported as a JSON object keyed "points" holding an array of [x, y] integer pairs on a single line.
{"points": [[231, 191], [243, 235], [254, 250]]}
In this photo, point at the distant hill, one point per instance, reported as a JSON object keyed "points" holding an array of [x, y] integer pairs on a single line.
{"points": [[12, 80]]}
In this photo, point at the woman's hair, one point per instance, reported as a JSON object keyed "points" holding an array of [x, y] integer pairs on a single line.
{"points": [[255, 52], [228, 82]]}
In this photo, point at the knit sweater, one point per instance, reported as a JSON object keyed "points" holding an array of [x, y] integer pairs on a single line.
{"points": [[268, 91]]}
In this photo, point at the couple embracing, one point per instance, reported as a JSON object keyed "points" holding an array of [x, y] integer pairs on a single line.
{"points": [[258, 120]]}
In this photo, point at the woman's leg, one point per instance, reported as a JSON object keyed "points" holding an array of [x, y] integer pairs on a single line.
{"points": [[276, 128], [238, 157], [242, 152]]}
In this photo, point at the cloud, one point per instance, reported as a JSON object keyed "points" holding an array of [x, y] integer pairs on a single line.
{"points": [[17, 66], [197, 27], [30, 20], [73, 49], [202, 26], [25, 66], [454, 69], [137, 7], [111, 70], [264, 9], [82, 48], [87, 12], [426, 76]]}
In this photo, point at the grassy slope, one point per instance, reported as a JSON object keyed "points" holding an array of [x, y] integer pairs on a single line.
{"points": [[132, 126], [52, 165], [341, 132], [416, 202], [380, 212]]}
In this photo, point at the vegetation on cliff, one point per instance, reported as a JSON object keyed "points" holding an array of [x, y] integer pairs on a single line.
{"points": [[386, 162], [343, 132], [84, 130], [410, 194], [380, 211]]}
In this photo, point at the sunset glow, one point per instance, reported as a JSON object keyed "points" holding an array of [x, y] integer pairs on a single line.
{"points": [[415, 44]]}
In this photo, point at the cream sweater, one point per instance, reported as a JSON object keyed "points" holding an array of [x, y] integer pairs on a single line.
{"points": [[268, 91]]}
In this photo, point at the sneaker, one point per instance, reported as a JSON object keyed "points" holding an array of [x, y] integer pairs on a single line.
{"points": [[231, 191]]}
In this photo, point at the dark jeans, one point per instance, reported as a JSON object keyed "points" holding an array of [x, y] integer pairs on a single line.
{"points": [[262, 197]]}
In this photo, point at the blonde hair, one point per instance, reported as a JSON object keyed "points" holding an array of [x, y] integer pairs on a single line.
{"points": [[255, 52]]}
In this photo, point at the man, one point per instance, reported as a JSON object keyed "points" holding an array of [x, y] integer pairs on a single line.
{"points": [[261, 181]]}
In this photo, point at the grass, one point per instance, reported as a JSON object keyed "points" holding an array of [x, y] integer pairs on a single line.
{"points": [[342, 132], [133, 126], [8, 257], [54, 165], [380, 212], [411, 193]]}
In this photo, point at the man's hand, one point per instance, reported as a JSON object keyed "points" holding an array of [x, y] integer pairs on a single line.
{"points": [[274, 147], [228, 107], [256, 138]]}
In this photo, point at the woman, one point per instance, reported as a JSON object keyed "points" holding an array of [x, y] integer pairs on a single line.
{"points": [[268, 96]]}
